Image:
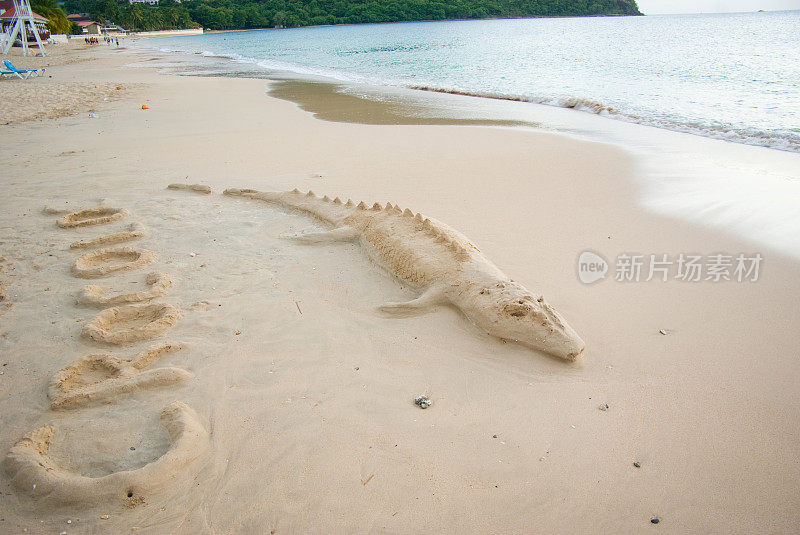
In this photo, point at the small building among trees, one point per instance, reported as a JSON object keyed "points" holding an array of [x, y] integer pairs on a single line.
{"points": [[86, 25]]}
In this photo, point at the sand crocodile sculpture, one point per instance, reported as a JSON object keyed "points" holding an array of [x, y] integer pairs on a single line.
{"points": [[442, 263]]}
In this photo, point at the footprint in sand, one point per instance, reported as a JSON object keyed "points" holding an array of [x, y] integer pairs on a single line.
{"points": [[95, 296], [32, 470], [131, 323], [54, 210], [235, 192], [134, 232], [96, 378], [91, 216], [199, 188], [101, 262]]}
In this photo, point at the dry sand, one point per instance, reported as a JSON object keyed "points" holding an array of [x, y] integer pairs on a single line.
{"points": [[300, 411], [54, 96]]}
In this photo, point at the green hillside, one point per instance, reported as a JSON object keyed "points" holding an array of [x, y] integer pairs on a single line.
{"points": [[244, 14]]}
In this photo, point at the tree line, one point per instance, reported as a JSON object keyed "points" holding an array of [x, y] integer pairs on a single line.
{"points": [[249, 14], [167, 15], [57, 21]]}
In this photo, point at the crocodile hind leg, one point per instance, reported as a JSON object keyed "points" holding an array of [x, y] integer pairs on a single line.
{"points": [[430, 298]]}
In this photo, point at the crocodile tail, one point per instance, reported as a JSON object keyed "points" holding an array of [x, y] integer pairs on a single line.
{"points": [[332, 211]]}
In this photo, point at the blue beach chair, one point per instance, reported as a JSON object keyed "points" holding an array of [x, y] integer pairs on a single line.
{"points": [[22, 73]]}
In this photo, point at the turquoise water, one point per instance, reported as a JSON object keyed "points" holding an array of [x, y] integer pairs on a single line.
{"points": [[730, 76]]}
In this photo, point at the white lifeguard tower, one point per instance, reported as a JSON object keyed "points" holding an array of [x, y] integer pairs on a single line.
{"points": [[22, 23]]}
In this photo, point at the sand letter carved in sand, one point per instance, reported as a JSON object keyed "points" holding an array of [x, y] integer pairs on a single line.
{"points": [[101, 262], [96, 378], [442, 263], [131, 323], [134, 232], [96, 296], [32, 470], [91, 216]]}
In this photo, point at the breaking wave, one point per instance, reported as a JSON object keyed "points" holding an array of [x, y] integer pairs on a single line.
{"points": [[700, 99], [787, 141]]}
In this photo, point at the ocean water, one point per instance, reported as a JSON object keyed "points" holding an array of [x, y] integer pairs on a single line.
{"points": [[729, 76], [701, 101]]}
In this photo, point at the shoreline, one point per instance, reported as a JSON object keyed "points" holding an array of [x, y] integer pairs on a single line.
{"points": [[715, 188], [589, 105], [308, 392]]}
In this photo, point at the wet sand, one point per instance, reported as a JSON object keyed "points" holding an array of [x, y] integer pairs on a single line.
{"points": [[306, 392]]}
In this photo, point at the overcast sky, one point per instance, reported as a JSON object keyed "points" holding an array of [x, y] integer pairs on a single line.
{"points": [[651, 7]]}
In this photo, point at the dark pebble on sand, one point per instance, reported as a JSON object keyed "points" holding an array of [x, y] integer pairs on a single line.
{"points": [[636, 464], [655, 520], [423, 402]]}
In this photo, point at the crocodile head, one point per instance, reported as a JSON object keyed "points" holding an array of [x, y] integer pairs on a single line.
{"points": [[509, 311]]}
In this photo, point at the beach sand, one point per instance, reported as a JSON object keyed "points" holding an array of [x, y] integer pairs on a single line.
{"points": [[299, 410]]}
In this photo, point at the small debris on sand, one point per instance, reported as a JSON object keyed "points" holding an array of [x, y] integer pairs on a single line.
{"points": [[662, 331], [199, 188], [603, 407], [423, 402], [637, 464]]}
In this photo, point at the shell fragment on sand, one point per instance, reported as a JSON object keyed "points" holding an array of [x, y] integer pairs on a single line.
{"points": [[423, 402]]}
